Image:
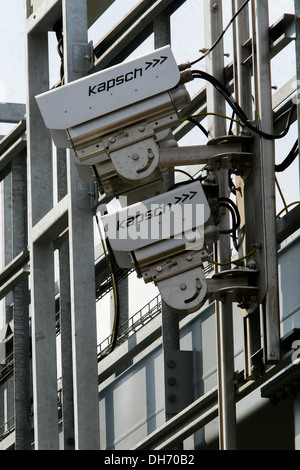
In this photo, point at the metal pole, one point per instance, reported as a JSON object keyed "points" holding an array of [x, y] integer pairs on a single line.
{"points": [[65, 316], [40, 201], [22, 394], [217, 127], [243, 93], [82, 264], [264, 117], [170, 321]]}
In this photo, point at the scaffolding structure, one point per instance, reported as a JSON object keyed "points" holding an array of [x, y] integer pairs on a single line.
{"points": [[124, 397]]}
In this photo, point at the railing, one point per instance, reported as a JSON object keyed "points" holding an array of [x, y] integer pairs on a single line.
{"points": [[6, 367], [7, 428], [133, 324]]}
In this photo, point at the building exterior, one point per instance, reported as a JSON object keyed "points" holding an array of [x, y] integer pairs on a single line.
{"points": [[223, 377]]}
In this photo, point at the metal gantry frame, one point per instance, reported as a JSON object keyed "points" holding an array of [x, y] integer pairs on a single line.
{"points": [[36, 225]]}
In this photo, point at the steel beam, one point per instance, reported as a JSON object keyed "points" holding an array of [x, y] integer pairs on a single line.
{"points": [[132, 30], [217, 127], [82, 269], [264, 116], [40, 201]]}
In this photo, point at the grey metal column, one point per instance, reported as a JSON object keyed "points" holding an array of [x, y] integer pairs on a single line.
{"points": [[215, 65], [22, 380], [243, 93], [170, 320], [7, 239], [264, 116], [82, 268], [65, 316], [40, 201]]}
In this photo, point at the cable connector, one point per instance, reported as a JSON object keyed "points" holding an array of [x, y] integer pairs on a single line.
{"points": [[186, 77], [186, 65]]}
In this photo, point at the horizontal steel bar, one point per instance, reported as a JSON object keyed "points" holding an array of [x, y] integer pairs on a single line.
{"points": [[12, 112], [14, 150], [49, 12], [13, 280], [198, 414], [44, 17], [201, 412], [12, 136], [52, 225], [134, 28], [195, 154], [125, 352], [18, 262], [288, 224]]}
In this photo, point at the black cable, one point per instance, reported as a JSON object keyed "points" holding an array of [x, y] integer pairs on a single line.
{"points": [[113, 266], [198, 124], [238, 110], [58, 28], [235, 224], [221, 36], [231, 124], [233, 230], [294, 153], [231, 184], [236, 219]]}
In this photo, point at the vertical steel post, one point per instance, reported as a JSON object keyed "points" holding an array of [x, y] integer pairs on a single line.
{"points": [[215, 66], [243, 94], [170, 321], [65, 316], [82, 265], [40, 201], [297, 51], [264, 117], [6, 235], [22, 380]]}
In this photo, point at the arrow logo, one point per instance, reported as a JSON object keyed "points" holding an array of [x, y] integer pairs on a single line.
{"points": [[184, 197], [155, 62]]}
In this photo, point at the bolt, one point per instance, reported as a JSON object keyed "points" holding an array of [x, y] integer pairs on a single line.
{"points": [[171, 364], [172, 398], [172, 381], [141, 128], [189, 258], [135, 156], [183, 286], [159, 269], [251, 264], [257, 245], [112, 140], [87, 57], [215, 6], [150, 154]]}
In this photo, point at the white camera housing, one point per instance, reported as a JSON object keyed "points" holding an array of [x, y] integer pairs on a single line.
{"points": [[117, 119]]}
